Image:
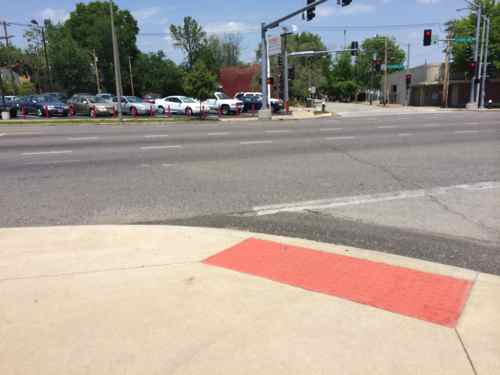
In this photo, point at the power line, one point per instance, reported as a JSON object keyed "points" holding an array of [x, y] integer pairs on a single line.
{"points": [[376, 27]]}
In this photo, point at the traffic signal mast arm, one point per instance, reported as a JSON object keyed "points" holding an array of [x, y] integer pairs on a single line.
{"points": [[276, 23]]}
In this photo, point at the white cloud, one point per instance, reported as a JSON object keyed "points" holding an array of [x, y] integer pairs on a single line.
{"points": [[230, 27], [146, 14], [55, 15], [357, 8], [427, 2]]}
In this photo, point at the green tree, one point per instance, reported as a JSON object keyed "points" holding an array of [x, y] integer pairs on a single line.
{"points": [[189, 37], [154, 73], [70, 64], [200, 82], [466, 26], [90, 26], [370, 48]]}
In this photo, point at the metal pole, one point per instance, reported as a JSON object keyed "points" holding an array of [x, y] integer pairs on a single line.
{"points": [[480, 65], [47, 66], [96, 68], [263, 66], [476, 52], [116, 59], [385, 73], [408, 72], [485, 65], [446, 81], [285, 73], [132, 89]]}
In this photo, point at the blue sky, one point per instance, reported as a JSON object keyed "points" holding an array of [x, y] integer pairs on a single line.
{"points": [[244, 17]]}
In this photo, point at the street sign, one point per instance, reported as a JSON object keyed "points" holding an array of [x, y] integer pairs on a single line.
{"points": [[463, 39], [395, 66], [274, 45]]}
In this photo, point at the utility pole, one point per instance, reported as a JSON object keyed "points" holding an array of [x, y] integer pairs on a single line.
{"points": [[408, 72], [485, 65], [116, 59], [6, 35], [284, 47], [446, 80], [95, 60], [471, 103], [131, 76], [385, 73], [45, 53], [480, 62]]}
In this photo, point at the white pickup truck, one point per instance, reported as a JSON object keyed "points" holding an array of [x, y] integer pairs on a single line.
{"points": [[223, 103]]}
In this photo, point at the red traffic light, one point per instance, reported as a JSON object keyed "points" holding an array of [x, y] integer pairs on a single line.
{"points": [[270, 81], [427, 37], [472, 67]]}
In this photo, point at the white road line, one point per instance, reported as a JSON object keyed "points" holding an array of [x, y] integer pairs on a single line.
{"points": [[47, 153], [156, 136], [167, 165], [388, 127], [330, 129], [23, 133], [472, 123], [83, 138], [404, 134], [48, 162], [371, 198], [255, 142], [2, 134], [277, 131], [430, 125], [338, 138], [218, 133], [160, 147], [465, 132]]}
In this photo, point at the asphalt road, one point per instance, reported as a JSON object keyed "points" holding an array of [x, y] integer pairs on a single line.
{"points": [[229, 174]]}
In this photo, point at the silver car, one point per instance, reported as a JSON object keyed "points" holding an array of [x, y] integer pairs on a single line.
{"points": [[133, 105]]}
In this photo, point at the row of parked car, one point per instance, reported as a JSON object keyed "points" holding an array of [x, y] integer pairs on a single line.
{"points": [[56, 104]]}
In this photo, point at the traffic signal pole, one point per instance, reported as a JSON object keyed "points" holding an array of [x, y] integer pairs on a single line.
{"points": [[482, 98], [472, 103], [480, 62], [264, 59]]}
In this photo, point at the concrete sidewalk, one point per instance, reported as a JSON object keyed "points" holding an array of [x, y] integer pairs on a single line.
{"points": [[145, 300]]}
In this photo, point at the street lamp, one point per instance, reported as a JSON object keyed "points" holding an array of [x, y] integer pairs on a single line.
{"points": [[44, 41]]}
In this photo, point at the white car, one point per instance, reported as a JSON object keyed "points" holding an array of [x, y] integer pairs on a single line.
{"points": [[223, 103], [178, 104], [136, 106]]}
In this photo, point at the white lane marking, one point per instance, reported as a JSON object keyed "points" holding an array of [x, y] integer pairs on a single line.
{"points": [[430, 125], [472, 123], [403, 118], [2, 134], [218, 133], [277, 131], [330, 129], [167, 165], [465, 132], [404, 134], [23, 133], [255, 142], [156, 136], [83, 138], [49, 162], [160, 147], [47, 153], [371, 198], [388, 127], [338, 138]]}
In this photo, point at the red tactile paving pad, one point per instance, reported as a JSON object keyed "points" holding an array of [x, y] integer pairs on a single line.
{"points": [[426, 296]]}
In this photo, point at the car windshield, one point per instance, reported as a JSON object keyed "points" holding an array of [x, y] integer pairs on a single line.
{"points": [[221, 95], [187, 99], [97, 100], [134, 99]]}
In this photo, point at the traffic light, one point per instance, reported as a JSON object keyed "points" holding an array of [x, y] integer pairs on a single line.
{"points": [[270, 81], [408, 81], [280, 60], [344, 3], [377, 64], [354, 48], [427, 37], [291, 73], [491, 71], [311, 12], [471, 67]]}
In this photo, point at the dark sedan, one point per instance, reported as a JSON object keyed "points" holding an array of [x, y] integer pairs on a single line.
{"points": [[43, 105], [251, 102]]}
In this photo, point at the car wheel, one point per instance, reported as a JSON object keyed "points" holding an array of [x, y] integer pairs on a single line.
{"points": [[133, 111], [188, 112], [39, 112], [161, 110], [225, 110]]}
